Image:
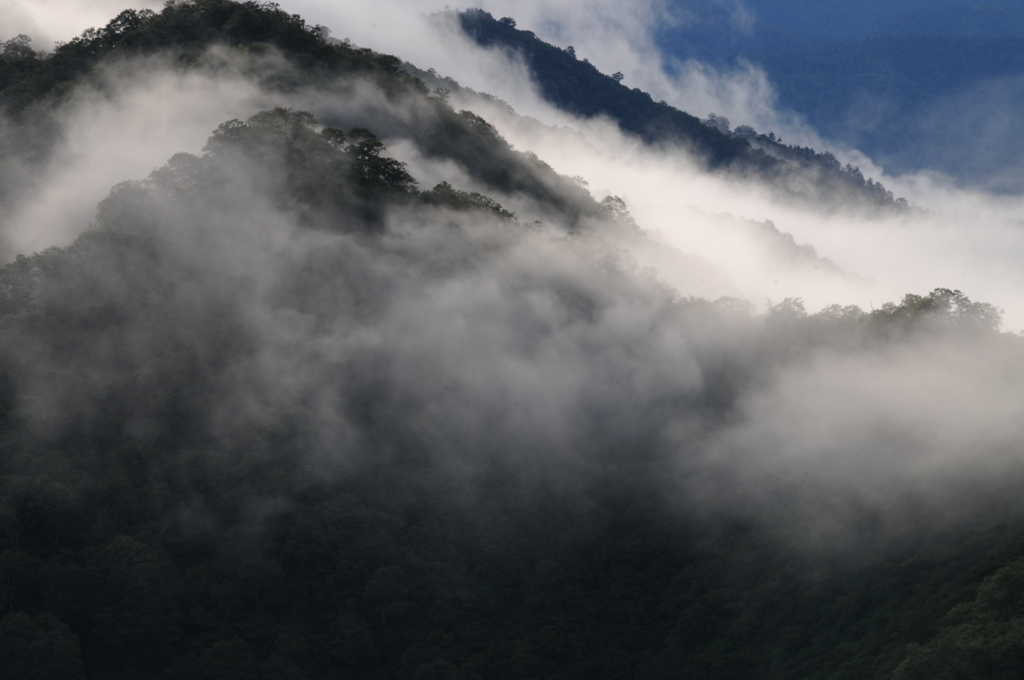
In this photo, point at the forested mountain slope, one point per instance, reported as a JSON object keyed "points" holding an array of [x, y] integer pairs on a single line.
{"points": [[32, 88], [578, 87], [281, 412], [144, 428]]}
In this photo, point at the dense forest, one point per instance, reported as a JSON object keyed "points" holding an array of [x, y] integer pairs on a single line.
{"points": [[578, 87], [282, 412]]}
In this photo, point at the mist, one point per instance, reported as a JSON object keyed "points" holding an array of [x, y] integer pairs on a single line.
{"points": [[51, 21], [308, 367], [122, 128], [548, 349]]}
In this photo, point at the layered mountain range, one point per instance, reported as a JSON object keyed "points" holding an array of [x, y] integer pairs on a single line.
{"points": [[363, 383]]}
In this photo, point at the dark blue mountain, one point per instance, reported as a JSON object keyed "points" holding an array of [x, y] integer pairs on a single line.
{"points": [[575, 85]]}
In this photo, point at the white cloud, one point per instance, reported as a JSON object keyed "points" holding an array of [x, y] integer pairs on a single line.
{"points": [[47, 21]]}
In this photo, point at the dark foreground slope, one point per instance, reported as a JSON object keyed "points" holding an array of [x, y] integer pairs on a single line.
{"points": [[211, 470], [280, 414]]}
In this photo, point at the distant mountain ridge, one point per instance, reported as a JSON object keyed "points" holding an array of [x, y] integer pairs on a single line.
{"points": [[576, 86]]}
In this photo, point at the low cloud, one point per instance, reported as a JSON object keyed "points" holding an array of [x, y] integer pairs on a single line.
{"points": [[561, 350], [50, 21]]}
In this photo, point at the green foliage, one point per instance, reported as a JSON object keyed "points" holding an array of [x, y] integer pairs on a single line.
{"points": [[580, 89], [17, 51], [985, 638], [38, 648], [153, 565], [446, 195], [184, 29], [34, 86], [827, 167], [942, 308], [326, 172]]}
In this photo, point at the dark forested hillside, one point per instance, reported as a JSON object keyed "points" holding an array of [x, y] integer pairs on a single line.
{"points": [[33, 87], [577, 86], [164, 513], [185, 30], [282, 412]]}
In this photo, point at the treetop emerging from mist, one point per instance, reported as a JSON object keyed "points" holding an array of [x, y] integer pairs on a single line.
{"points": [[184, 29], [345, 178]]}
